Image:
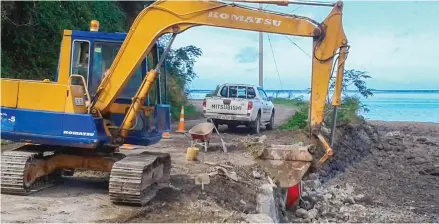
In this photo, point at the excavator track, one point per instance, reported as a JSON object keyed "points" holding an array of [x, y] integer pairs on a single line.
{"points": [[136, 179], [13, 173]]}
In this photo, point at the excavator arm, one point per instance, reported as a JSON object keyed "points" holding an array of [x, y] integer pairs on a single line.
{"points": [[164, 17]]}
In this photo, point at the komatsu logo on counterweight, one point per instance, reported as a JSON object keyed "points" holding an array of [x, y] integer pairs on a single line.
{"points": [[78, 133], [245, 19]]}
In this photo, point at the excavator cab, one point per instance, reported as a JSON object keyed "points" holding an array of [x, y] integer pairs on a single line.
{"points": [[63, 134], [92, 54], [84, 60]]}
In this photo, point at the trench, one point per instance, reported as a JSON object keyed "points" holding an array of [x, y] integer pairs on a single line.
{"points": [[353, 142]]}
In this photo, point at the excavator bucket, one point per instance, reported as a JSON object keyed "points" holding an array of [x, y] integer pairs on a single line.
{"points": [[285, 164]]}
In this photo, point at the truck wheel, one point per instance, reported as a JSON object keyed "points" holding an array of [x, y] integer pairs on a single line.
{"points": [[270, 125], [256, 125]]}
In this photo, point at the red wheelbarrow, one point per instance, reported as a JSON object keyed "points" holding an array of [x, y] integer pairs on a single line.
{"points": [[201, 134]]}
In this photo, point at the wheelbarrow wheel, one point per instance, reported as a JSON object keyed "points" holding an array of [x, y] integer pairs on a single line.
{"points": [[207, 145]]}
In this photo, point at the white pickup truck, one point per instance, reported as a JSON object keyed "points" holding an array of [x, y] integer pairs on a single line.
{"points": [[238, 104]]}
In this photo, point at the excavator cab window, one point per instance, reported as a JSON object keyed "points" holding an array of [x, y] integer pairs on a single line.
{"points": [[103, 57], [80, 60]]}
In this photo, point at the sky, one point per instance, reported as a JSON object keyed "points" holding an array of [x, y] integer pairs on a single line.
{"points": [[396, 42]]}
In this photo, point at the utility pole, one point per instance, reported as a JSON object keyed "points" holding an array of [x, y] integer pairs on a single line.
{"points": [[261, 56]]}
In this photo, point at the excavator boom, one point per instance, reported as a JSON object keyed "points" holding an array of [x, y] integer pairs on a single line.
{"points": [[176, 17]]}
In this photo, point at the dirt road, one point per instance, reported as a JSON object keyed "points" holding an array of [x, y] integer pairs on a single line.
{"points": [[84, 198]]}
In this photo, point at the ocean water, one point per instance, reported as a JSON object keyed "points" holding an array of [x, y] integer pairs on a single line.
{"points": [[385, 105]]}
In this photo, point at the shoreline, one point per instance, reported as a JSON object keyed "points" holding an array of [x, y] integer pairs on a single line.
{"points": [[197, 102], [401, 122]]}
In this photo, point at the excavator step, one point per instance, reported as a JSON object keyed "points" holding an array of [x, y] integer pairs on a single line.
{"points": [[136, 179]]}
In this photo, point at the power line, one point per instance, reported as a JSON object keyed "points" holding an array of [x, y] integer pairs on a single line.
{"points": [[277, 70], [296, 9], [297, 46]]}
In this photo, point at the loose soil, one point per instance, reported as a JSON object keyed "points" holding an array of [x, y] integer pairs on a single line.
{"points": [[380, 172], [385, 172], [84, 197]]}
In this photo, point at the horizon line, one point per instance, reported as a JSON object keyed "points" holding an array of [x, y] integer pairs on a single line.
{"points": [[420, 90]]}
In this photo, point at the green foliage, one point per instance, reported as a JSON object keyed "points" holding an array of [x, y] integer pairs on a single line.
{"points": [[351, 105], [356, 78], [190, 111], [348, 112], [349, 109], [32, 32], [298, 121], [180, 70]]}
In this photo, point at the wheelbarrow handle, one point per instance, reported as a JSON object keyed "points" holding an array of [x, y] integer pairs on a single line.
{"points": [[188, 136], [214, 126]]}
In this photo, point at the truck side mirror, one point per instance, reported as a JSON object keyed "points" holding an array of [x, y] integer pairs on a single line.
{"points": [[270, 98]]}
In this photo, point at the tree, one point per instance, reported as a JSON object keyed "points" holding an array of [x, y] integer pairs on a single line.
{"points": [[32, 32], [356, 78], [180, 62], [180, 70], [351, 104]]}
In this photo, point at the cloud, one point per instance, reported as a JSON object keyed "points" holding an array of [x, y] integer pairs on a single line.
{"points": [[395, 56], [247, 55]]}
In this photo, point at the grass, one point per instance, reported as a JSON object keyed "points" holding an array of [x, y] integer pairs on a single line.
{"points": [[347, 113], [298, 120]]}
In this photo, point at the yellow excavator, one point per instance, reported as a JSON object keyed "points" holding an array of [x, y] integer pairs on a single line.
{"points": [[80, 120]]}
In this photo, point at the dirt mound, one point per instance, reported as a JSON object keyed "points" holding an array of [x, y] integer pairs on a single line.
{"points": [[353, 142], [380, 172]]}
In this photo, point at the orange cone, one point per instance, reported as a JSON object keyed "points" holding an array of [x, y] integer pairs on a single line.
{"points": [[181, 124]]}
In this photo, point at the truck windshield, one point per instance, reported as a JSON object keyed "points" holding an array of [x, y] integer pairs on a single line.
{"points": [[238, 92], [103, 57]]}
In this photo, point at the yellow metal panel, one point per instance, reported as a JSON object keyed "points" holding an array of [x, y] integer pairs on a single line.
{"points": [[34, 95], [9, 93], [75, 100], [64, 63]]}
